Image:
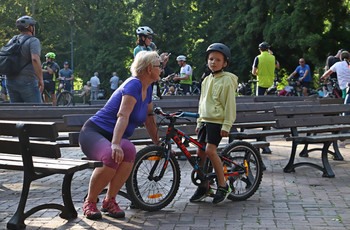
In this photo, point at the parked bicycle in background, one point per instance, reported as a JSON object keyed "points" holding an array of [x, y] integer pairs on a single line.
{"points": [[64, 97], [331, 89], [170, 87]]}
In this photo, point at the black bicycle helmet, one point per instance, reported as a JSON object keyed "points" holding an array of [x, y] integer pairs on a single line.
{"points": [[24, 22], [264, 46], [220, 48]]}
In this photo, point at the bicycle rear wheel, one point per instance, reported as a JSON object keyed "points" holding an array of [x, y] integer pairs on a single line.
{"points": [[147, 188], [65, 98], [245, 184]]}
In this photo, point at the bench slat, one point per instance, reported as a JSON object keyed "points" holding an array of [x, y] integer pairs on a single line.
{"points": [[67, 161], [34, 129], [319, 138], [315, 109], [284, 131], [38, 148], [303, 122], [50, 167]]}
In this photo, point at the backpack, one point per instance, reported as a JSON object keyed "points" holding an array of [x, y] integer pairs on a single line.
{"points": [[10, 57]]}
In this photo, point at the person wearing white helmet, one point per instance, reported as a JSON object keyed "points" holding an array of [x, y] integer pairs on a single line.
{"points": [[185, 76], [144, 39]]}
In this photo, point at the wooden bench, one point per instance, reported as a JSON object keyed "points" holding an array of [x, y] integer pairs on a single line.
{"points": [[280, 99], [255, 120], [141, 136], [324, 119], [21, 150], [44, 113]]}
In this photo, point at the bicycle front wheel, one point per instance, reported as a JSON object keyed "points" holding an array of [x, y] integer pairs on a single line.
{"points": [[149, 187], [245, 184], [65, 99]]}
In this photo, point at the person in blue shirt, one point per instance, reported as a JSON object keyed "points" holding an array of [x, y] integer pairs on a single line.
{"points": [[65, 76], [104, 137], [304, 75]]}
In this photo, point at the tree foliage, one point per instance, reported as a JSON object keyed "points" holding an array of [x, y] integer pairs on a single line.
{"points": [[104, 31]]}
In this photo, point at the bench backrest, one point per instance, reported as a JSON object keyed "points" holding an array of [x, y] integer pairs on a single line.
{"points": [[303, 116], [258, 112], [275, 98], [26, 138]]}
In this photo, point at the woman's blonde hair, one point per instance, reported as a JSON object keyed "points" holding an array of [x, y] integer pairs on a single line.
{"points": [[142, 60]]}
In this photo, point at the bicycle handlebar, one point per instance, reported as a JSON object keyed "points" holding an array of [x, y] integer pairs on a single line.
{"points": [[177, 114]]}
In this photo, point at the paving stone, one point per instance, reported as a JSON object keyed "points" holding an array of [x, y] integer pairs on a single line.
{"points": [[300, 200]]}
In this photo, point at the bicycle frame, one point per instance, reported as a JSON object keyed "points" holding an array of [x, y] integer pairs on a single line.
{"points": [[174, 133]]}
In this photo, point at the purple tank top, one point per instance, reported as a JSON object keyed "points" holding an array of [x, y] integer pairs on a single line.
{"points": [[106, 118]]}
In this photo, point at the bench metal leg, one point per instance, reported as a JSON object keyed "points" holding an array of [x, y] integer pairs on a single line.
{"points": [[17, 220], [336, 154], [305, 151], [69, 211], [290, 166], [327, 170], [265, 150]]}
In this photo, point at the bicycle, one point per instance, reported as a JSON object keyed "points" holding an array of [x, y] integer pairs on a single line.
{"points": [[331, 88], [168, 82], [155, 177], [65, 97], [195, 88]]}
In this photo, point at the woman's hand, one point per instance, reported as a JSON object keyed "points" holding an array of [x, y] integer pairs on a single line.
{"points": [[117, 153]]}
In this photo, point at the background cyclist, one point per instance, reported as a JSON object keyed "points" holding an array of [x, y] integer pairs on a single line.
{"points": [[144, 39], [50, 71], [304, 75], [65, 77], [264, 68], [185, 76]]}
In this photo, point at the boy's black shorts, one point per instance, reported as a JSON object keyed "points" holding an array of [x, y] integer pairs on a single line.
{"points": [[209, 133]]}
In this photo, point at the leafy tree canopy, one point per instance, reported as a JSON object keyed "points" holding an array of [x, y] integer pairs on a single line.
{"points": [[104, 31]]}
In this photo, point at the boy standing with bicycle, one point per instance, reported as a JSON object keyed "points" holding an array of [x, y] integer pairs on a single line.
{"points": [[217, 112]]}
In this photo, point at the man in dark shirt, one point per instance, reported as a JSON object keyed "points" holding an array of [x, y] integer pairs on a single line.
{"points": [[167, 70], [50, 72], [331, 60]]}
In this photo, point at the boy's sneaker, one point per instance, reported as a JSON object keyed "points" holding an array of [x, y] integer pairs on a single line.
{"points": [[90, 210], [221, 194], [112, 208], [200, 194]]}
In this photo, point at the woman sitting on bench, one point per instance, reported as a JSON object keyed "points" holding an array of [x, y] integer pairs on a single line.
{"points": [[104, 136]]}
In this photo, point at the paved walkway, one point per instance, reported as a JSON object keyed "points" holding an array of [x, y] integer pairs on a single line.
{"points": [[301, 200]]}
